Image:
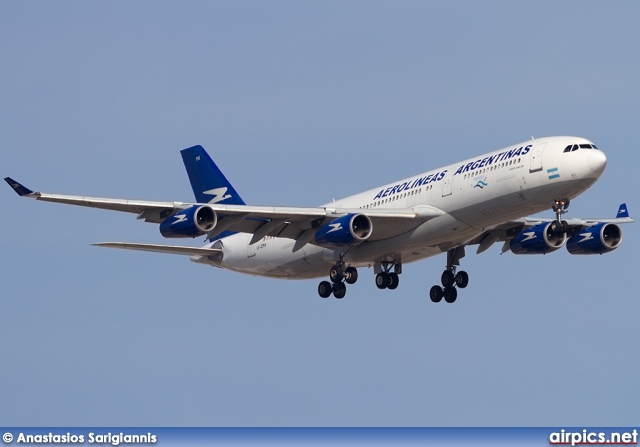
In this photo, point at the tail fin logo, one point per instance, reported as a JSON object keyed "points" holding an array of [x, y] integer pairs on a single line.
{"points": [[219, 194]]}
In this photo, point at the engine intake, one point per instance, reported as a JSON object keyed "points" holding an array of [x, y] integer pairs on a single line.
{"points": [[537, 240], [192, 222], [595, 240], [350, 229]]}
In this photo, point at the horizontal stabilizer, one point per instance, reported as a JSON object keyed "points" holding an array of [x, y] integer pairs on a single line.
{"points": [[171, 249]]}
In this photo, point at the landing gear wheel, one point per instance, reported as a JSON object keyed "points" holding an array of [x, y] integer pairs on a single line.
{"points": [[382, 280], [450, 294], [394, 280], [462, 279], [351, 275], [560, 207], [339, 290], [447, 279], [324, 289], [336, 274], [436, 294]]}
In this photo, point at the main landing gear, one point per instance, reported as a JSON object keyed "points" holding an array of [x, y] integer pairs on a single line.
{"points": [[339, 275], [560, 207], [450, 280], [388, 279]]}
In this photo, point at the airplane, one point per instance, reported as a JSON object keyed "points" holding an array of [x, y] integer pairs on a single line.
{"points": [[479, 201]]}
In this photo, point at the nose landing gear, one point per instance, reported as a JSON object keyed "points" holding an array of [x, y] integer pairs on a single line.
{"points": [[560, 207]]}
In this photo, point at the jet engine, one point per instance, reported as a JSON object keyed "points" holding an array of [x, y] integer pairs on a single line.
{"points": [[595, 240], [539, 239], [350, 229], [192, 222]]}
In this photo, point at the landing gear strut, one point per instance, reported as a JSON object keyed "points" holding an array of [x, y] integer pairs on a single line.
{"points": [[451, 281], [560, 207], [339, 275]]}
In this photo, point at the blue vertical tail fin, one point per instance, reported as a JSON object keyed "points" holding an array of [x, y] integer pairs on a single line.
{"points": [[207, 181]]}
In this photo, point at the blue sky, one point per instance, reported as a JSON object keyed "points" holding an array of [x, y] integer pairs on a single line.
{"points": [[298, 103]]}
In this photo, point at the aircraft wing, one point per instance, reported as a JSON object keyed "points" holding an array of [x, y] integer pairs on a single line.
{"points": [[507, 231], [295, 223]]}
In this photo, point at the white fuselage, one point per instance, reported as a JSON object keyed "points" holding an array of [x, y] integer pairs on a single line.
{"points": [[475, 194]]}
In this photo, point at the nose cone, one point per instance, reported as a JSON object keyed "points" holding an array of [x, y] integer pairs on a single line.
{"points": [[596, 160]]}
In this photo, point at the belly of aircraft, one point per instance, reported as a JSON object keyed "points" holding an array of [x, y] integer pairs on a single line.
{"points": [[517, 204], [273, 257]]}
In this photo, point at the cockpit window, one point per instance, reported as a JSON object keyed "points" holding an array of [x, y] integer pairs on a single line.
{"points": [[575, 147]]}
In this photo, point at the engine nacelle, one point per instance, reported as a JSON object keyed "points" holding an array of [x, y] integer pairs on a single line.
{"points": [[346, 230], [192, 222], [595, 240], [537, 240]]}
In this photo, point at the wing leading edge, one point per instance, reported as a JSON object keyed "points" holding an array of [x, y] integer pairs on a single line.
{"points": [[296, 223]]}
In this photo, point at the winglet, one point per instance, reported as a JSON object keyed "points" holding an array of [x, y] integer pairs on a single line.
{"points": [[17, 187], [622, 211]]}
